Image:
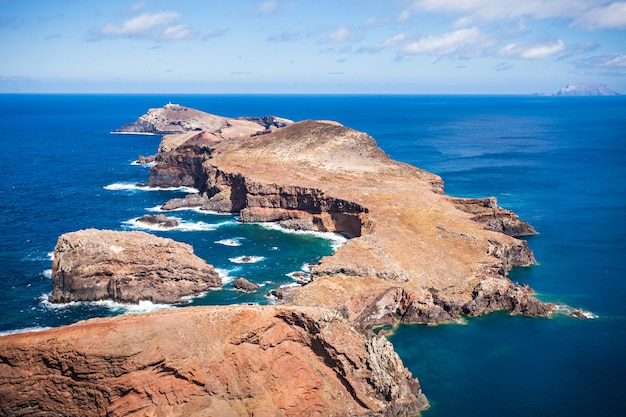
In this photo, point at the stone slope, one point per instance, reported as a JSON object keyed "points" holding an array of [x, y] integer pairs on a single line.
{"points": [[206, 361]]}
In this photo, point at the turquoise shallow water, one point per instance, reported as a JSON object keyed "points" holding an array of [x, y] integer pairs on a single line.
{"points": [[558, 162]]}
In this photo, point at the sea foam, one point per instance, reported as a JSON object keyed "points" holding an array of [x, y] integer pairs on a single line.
{"points": [[246, 259], [183, 225], [126, 186], [336, 239], [144, 306], [229, 242]]}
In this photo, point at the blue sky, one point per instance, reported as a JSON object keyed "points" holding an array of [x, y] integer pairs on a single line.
{"points": [[299, 46]]}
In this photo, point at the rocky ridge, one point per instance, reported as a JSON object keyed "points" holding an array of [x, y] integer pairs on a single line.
{"points": [[174, 118], [449, 256]]}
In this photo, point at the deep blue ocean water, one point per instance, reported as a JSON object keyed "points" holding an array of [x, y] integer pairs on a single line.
{"points": [[559, 162]]}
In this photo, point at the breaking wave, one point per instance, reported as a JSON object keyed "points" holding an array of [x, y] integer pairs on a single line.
{"points": [[230, 242], [143, 306], [126, 186], [246, 259]]}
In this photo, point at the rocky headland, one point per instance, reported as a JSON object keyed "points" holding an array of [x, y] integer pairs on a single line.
{"points": [[174, 118], [414, 255]]}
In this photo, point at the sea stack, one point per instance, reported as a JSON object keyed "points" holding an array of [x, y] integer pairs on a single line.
{"points": [[127, 267]]}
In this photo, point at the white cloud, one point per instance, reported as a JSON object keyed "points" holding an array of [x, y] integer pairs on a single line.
{"points": [[608, 64], [588, 14], [140, 25], [155, 26], [533, 51], [343, 34], [387, 43], [611, 16], [267, 7], [466, 42], [176, 33]]}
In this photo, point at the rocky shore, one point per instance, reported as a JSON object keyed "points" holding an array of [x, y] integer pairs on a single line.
{"points": [[414, 255]]}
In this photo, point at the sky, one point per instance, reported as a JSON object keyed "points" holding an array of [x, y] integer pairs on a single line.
{"points": [[311, 46]]}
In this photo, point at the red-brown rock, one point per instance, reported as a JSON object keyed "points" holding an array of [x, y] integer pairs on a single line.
{"points": [[206, 361]]}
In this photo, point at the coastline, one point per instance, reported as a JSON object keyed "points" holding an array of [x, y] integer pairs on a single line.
{"points": [[537, 272]]}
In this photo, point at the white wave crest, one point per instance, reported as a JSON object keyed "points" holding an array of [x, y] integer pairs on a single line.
{"points": [[125, 186], [336, 239], [183, 225], [24, 330], [246, 259], [225, 275], [47, 273], [300, 277], [147, 164], [143, 306], [575, 312], [229, 242]]}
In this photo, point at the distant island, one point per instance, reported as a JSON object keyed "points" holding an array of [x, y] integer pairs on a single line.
{"points": [[583, 89]]}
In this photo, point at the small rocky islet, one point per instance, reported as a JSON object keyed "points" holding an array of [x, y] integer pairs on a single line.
{"points": [[414, 255]]}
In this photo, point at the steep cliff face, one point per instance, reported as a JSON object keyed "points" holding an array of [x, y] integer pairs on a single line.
{"points": [[487, 212], [210, 361], [324, 176], [127, 267]]}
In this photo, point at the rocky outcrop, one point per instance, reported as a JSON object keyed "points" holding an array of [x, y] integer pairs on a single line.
{"points": [[245, 285], [127, 267], [206, 361], [160, 220], [174, 118], [487, 212]]}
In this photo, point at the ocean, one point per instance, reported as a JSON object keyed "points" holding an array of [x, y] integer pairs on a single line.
{"points": [[558, 162]]}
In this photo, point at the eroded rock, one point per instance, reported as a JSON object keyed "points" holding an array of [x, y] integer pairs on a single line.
{"points": [[160, 220], [210, 361], [245, 285], [127, 267]]}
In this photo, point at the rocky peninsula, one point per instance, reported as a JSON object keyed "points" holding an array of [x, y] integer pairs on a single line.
{"points": [[414, 255]]}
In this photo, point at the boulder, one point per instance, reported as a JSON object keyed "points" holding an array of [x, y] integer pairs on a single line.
{"points": [[245, 285], [158, 220]]}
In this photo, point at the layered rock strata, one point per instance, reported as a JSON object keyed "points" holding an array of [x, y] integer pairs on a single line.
{"points": [[206, 361], [127, 267], [448, 256]]}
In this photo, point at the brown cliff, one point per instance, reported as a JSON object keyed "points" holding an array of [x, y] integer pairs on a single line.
{"points": [[127, 267], [446, 256], [206, 361]]}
